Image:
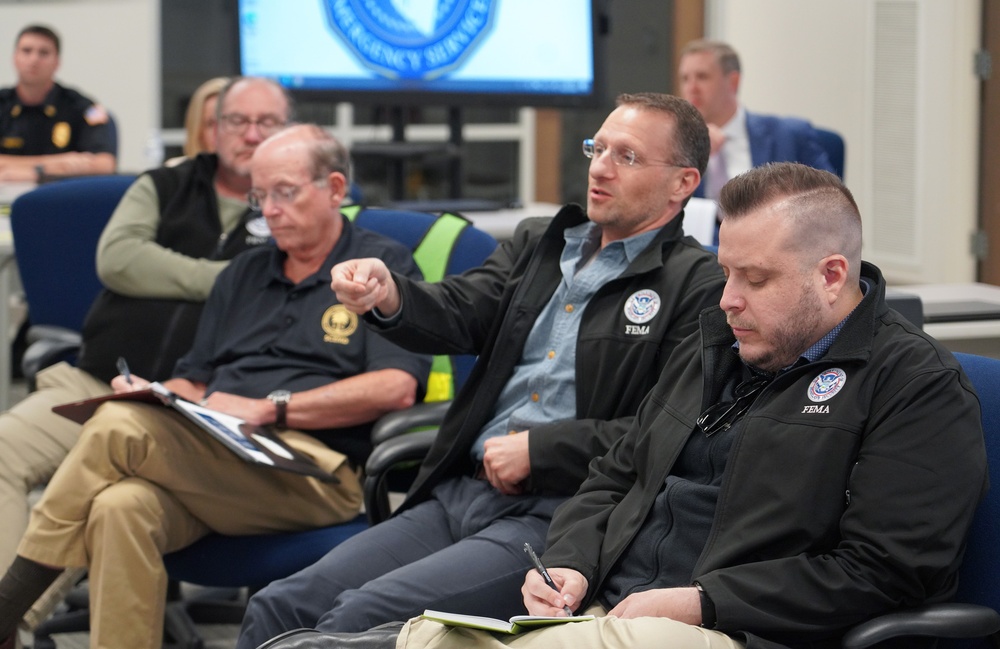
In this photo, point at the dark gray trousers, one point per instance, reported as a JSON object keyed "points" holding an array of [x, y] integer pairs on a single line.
{"points": [[461, 552]]}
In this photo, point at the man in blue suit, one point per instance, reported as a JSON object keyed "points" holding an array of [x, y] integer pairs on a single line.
{"points": [[710, 79]]}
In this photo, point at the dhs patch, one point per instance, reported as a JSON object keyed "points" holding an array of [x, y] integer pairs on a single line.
{"points": [[411, 39], [827, 384], [641, 306]]}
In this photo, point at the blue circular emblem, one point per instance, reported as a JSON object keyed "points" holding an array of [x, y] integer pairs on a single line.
{"points": [[411, 39], [641, 306], [827, 384]]}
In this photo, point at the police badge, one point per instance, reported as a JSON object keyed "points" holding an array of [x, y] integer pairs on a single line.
{"points": [[60, 134]]}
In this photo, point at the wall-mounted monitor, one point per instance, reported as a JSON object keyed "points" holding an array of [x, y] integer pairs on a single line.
{"points": [[448, 52]]}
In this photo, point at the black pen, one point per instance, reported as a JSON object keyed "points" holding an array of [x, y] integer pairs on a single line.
{"points": [[123, 369], [545, 574]]}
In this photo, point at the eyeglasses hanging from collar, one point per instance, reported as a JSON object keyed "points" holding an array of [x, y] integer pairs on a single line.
{"points": [[723, 415]]}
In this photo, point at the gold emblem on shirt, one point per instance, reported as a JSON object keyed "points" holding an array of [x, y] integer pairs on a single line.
{"points": [[338, 324], [60, 134], [12, 142], [50, 111]]}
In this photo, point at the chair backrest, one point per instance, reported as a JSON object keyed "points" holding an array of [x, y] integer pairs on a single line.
{"points": [[979, 580], [442, 245], [833, 144], [55, 229]]}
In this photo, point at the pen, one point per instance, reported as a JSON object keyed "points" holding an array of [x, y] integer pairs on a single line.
{"points": [[123, 369], [545, 574]]}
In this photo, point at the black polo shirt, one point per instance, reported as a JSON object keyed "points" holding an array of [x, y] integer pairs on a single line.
{"points": [[260, 333], [65, 121]]}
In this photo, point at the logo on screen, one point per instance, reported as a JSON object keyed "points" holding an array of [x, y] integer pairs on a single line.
{"points": [[411, 39]]}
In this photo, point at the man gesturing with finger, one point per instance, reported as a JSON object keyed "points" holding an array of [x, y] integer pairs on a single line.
{"points": [[571, 321]]}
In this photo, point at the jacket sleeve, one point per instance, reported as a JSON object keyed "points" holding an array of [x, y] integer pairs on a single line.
{"points": [[577, 533], [455, 315], [919, 474]]}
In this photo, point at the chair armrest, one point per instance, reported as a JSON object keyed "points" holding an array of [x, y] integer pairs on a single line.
{"points": [[404, 421], [936, 620], [47, 346], [410, 448]]}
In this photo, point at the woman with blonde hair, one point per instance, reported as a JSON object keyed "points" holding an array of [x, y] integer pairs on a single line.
{"points": [[199, 120]]}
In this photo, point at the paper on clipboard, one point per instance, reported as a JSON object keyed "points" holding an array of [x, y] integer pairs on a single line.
{"points": [[255, 444]]}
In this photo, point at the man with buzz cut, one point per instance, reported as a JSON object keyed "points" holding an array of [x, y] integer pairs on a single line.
{"points": [[807, 461], [47, 129], [571, 320]]}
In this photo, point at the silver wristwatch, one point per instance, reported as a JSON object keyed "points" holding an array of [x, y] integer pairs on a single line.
{"points": [[280, 399]]}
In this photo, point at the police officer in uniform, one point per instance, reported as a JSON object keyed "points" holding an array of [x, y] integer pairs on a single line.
{"points": [[47, 129]]}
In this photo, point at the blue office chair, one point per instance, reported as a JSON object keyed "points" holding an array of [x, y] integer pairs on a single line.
{"points": [[833, 144], [973, 612], [56, 228]]}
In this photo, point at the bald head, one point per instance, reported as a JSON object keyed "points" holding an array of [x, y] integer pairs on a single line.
{"points": [[322, 153]]}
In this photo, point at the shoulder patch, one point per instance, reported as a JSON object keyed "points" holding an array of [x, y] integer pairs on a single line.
{"points": [[96, 115]]}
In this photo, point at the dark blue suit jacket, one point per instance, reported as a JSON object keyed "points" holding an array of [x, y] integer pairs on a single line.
{"points": [[782, 139]]}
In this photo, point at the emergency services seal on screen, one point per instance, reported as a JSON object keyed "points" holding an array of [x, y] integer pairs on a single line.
{"points": [[827, 384], [411, 39]]}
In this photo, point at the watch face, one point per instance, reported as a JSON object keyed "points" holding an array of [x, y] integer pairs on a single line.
{"points": [[280, 395]]}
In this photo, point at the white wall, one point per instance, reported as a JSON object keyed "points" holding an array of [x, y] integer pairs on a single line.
{"points": [[110, 52], [826, 60]]}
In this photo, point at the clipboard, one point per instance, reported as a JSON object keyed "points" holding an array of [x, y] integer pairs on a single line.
{"points": [[259, 445]]}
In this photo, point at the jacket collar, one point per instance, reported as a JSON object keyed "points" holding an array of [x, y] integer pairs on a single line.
{"points": [[649, 259]]}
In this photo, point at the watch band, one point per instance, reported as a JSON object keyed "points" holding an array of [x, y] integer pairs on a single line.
{"points": [[708, 618], [280, 399]]}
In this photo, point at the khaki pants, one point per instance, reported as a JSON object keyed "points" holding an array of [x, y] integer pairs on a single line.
{"points": [[141, 482], [33, 442], [609, 632]]}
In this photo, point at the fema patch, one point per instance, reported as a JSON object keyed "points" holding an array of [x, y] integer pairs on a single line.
{"points": [[827, 384], [411, 39], [641, 306]]}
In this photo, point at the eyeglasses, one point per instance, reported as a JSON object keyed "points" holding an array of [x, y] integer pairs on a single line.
{"points": [[281, 195], [238, 123], [723, 415], [621, 157]]}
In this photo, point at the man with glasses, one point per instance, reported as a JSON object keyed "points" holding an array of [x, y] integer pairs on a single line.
{"points": [[807, 460], [170, 236], [274, 347], [571, 321]]}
